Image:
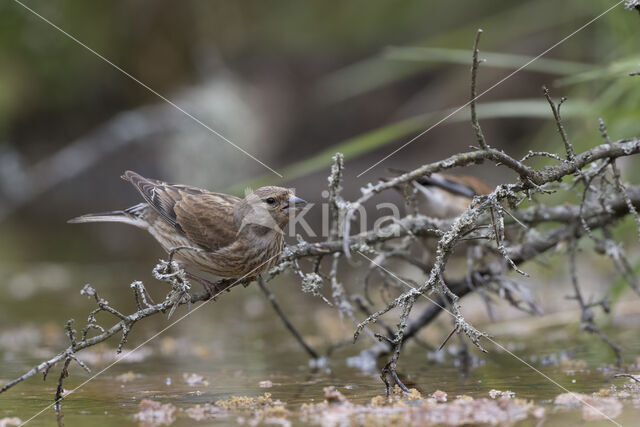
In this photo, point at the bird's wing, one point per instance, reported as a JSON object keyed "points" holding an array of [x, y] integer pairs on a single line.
{"points": [[461, 185], [205, 217], [477, 185], [448, 184]]}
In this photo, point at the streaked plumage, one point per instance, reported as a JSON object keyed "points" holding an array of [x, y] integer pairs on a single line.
{"points": [[443, 195], [235, 237]]}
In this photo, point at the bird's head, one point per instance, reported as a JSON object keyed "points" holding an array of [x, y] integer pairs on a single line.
{"points": [[269, 207]]}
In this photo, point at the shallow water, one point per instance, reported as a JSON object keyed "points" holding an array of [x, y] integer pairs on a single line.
{"points": [[237, 342]]}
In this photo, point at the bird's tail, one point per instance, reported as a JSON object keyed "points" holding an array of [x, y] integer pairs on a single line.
{"points": [[132, 216]]}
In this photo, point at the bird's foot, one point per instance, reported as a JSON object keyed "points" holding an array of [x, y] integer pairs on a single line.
{"points": [[210, 287], [248, 280]]}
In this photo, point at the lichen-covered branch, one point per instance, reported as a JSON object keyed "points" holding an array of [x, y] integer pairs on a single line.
{"points": [[418, 225], [178, 295], [487, 212], [498, 237]]}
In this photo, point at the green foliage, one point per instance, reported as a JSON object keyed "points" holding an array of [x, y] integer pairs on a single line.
{"points": [[378, 70], [385, 135]]}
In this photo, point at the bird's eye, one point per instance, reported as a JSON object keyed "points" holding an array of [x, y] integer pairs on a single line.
{"points": [[270, 200]]}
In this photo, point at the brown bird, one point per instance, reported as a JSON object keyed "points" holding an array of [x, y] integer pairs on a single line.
{"points": [[443, 195], [223, 235]]}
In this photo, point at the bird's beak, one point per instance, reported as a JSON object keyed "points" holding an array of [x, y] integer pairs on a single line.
{"points": [[295, 203]]}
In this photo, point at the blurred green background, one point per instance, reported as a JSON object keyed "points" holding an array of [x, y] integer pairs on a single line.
{"points": [[290, 82]]}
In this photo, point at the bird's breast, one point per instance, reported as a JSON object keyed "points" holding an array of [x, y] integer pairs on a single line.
{"points": [[247, 256]]}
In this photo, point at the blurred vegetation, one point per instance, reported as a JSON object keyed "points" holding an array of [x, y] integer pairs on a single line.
{"points": [[361, 77], [47, 81]]}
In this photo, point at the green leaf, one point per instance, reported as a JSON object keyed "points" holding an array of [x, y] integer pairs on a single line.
{"points": [[618, 69], [493, 59]]}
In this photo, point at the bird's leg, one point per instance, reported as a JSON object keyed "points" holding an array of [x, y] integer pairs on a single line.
{"points": [[209, 286]]}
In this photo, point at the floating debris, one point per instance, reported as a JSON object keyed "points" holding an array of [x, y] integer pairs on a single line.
{"points": [[13, 421], [439, 395], [194, 379], [264, 410], [276, 414], [593, 407], [629, 391], [332, 395], [404, 408], [494, 394], [265, 384], [246, 402], [151, 413], [207, 411]]}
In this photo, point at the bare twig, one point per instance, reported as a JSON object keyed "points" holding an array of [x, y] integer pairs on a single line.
{"points": [[631, 377], [125, 322], [623, 190], [587, 321], [556, 114], [474, 75], [276, 307]]}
